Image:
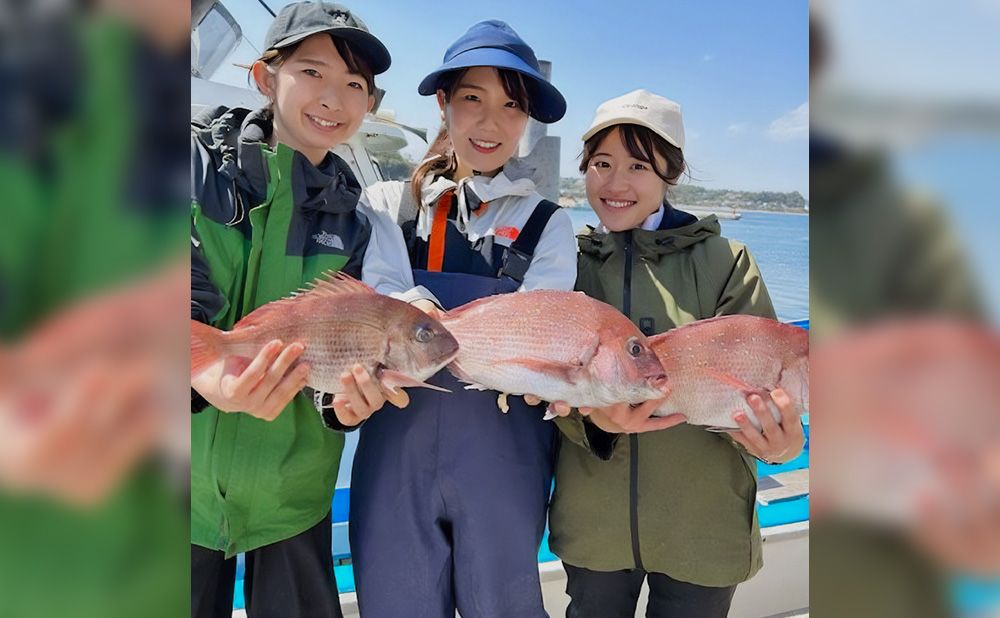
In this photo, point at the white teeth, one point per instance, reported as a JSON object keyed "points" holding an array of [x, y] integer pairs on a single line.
{"points": [[619, 203], [482, 144], [323, 123]]}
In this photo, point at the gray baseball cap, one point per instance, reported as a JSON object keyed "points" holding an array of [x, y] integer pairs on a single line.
{"points": [[299, 20]]}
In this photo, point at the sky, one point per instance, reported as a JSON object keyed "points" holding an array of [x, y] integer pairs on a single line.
{"points": [[738, 69]]}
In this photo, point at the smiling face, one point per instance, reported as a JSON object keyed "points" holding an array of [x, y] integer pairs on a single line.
{"points": [[318, 101], [622, 189], [484, 122]]}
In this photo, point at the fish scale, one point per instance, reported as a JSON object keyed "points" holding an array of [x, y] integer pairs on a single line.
{"points": [[713, 364], [560, 346], [342, 322]]}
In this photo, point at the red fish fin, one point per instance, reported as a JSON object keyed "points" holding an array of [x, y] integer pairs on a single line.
{"points": [[456, 370], [205, 344], [716, 429], [588, 355], [738, 384], [568, 372], [332, 283], [393, 380], [329, 284]]}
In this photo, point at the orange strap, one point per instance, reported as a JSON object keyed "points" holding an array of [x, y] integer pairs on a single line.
{"points": [[439, 229]]}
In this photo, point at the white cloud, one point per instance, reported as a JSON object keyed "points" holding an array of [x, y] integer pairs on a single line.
{"points": [[792, 125], [737, 128]]}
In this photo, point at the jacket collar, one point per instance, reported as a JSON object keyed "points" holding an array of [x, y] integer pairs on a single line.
{"points": [[514, 180], [328, 187], [677, 231]]}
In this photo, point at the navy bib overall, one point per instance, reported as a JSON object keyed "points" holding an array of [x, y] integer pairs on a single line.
{"points": [[449, 495]]}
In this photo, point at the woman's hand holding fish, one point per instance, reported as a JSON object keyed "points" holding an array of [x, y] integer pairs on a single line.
{"points": [[774, 443], [362, 397], [261, 388], [961, 527], [619, 418], [626, 418], [429, 308], [78, 441], [555, 408]]}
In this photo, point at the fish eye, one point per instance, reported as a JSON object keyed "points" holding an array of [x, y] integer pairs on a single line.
{"points": [[424, 334], [634, 347]]}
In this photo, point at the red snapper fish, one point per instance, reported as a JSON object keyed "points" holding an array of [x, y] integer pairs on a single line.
{"points": [[559, 346], [342, 322], [714, 364]]}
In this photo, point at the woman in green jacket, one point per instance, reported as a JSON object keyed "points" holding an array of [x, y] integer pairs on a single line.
{"points": [[272, 209], [635, 499]]}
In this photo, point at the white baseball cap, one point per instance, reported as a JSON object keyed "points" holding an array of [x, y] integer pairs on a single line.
{"points": [[658, 114]]}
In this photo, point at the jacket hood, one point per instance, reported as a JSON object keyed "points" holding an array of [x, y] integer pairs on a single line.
{"points": [[235, 136], [682, 231]]}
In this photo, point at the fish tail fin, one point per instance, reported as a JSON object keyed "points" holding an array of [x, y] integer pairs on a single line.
{"points": [[205, 346]]}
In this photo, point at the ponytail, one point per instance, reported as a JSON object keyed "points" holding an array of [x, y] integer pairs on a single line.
{"points": [[440, 160]]}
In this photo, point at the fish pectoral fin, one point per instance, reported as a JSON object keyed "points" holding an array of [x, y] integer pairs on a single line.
{"points": [[569, 372], [588, 355], [393, 380], [717, 429], [733, 381]]}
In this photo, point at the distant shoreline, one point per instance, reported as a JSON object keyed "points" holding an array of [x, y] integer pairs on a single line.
{"points": [[776, 212], [709, 209]]}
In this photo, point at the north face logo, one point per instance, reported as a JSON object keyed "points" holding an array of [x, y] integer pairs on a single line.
{"points": [[329, 240]]}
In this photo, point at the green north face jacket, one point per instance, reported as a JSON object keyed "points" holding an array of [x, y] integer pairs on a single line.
{"points": [[254, 482], [82, 224], [679, 501]]}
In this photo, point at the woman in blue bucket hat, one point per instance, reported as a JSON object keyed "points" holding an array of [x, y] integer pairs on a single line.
{"points": [[449, 496]]}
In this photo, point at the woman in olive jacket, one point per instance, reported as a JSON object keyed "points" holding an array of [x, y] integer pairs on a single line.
{"points": [[635, 499]]}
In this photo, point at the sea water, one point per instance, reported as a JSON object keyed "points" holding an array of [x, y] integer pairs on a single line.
{"points": [[780, 244]]}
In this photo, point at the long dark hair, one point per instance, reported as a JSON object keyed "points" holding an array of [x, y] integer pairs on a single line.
{"points": [[641, 143], [440, 159]]}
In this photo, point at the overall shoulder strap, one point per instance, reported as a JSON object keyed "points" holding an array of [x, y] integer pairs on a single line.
{"points": [[518, 256]]}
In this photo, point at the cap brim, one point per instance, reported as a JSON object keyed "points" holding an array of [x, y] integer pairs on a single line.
{"points": [[547, 103], [624, 120], [365, 43]]}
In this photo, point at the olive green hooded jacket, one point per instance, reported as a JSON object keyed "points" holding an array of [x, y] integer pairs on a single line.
{"points": [[679, 501]]}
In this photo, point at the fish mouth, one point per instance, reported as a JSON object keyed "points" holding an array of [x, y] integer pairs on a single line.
{"points": [[658, 381], [446, 358]]}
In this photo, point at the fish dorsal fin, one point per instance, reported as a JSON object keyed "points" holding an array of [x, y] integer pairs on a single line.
{"points": [[328, 285], [332, 283]]}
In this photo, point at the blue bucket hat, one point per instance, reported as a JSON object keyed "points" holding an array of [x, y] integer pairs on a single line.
{"points": [[493, 43]]}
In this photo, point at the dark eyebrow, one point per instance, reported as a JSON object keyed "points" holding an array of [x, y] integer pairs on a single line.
{"points": [[470, 86], [321, 63], [599, 154]]}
